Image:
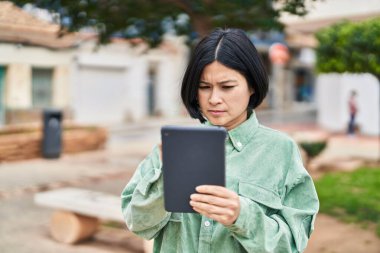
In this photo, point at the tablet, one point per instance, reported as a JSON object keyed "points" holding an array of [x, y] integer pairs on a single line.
{"points": [[191, 156]]}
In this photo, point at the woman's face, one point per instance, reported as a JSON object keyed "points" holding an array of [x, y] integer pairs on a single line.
{"points": [[223, 95]]}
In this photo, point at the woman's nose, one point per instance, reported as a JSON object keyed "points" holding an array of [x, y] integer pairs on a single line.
{"points": [[215, 97]]}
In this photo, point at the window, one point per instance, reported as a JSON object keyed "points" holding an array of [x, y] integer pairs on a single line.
{"points": [[304, 86], [42, 87]]}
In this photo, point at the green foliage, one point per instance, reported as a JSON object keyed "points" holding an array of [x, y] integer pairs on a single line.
{"points": [[353, 197], [150, 19], [313, 149], [350, 47]]}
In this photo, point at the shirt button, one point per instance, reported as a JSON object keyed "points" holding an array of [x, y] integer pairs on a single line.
{"points": [[239, 144], [207, 223]]}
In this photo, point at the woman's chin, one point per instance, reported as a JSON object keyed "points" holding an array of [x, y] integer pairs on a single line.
{"points": [[217, 121]]}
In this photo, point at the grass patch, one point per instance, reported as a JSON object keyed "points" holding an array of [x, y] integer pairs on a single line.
{"points": [[352, 196], [114, 224]]}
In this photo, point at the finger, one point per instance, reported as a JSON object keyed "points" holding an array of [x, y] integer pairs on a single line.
{"points": [[216, 190], [219, 218], [200, 211], [210, 199], [225, 220], [211, 209], [204, 213]]}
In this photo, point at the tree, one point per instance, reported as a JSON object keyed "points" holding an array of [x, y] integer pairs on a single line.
{"points": [[350, 47], [150, 19]]}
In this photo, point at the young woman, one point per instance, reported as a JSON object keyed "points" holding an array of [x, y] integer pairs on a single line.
{"points": [[269, 203]]}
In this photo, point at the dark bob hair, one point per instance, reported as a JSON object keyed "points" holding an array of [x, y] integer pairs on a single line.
{"points": [[232, 48]]}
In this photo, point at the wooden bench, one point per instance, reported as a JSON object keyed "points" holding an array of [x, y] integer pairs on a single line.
{"points": [[78, 213]]}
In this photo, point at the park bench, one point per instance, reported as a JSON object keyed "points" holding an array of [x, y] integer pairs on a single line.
{"points": [[78, 213]]}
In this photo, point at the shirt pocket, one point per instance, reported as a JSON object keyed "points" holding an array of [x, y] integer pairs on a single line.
{"points": [[268, 200]]}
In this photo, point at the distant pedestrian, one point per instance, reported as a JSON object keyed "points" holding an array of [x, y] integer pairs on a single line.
{"points": [[353, 110]]}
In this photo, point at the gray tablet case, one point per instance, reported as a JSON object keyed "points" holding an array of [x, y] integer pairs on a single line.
{"points": [[192, 156]]}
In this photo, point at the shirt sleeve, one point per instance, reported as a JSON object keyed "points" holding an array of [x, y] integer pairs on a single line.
{"points": [[269, 222], [142, 199]]}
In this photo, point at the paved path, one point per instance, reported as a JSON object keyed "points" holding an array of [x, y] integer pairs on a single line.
{"points": [[35, 175], [24, 225], [333, 236]]}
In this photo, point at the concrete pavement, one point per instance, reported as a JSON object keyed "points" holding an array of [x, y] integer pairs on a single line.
{"points": [[17, 178], [24, 226]]}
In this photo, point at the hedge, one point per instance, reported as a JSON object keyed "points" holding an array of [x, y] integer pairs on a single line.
{"points": [[350, 47]]}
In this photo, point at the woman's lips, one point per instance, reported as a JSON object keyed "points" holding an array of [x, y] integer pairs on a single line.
{"points": [[216, 112]]}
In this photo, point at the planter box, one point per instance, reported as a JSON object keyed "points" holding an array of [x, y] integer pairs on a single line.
{"points": [[20, 143]]}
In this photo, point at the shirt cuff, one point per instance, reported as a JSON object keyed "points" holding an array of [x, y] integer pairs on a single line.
{"points": [[239, 227]]}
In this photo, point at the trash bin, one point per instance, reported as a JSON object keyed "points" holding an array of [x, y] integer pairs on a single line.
{"points": [[52, 133]]}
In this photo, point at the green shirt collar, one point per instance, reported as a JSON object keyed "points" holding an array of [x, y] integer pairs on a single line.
{"points": [[243, 133]]}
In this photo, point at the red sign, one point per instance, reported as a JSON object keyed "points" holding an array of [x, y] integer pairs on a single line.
{"points": [[279, 54]]}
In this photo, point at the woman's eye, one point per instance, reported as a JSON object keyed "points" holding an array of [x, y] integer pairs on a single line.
{"points": [[203, 87], [228, 87]]}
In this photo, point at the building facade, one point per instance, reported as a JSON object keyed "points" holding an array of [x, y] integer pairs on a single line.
{"points": [[90, 83]]}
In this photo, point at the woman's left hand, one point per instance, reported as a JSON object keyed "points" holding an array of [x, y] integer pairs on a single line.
{"points": [[217, 203]]}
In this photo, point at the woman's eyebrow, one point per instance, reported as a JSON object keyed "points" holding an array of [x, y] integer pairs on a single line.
{"points": [[228, 81], [220, 82]]}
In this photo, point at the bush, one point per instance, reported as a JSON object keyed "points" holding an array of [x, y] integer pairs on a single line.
{"points": [[313, 149], [350, 47]]}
